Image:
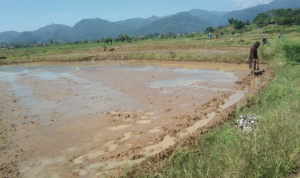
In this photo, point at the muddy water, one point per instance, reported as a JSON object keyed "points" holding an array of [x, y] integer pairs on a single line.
{"points": [[84, 119]]}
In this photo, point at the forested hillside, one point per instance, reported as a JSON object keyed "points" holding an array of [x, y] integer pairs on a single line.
{"points": [[195, 20], [250, 13], [180, 23]]}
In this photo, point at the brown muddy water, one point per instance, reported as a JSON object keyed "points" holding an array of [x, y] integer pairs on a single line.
{"points": [[87, 119]]}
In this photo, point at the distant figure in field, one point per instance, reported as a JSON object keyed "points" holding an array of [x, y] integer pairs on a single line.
{"points": [[111, 49], [217, 35], [281, 35], [265, 41], [209, 35], [105, 48], [253, 58]]}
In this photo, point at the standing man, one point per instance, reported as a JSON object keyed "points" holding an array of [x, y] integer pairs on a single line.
{"points": [[253, 58], [217, 35], [209, 35]]}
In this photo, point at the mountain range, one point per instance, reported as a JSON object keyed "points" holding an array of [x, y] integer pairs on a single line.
{"points": [[194, 20]]}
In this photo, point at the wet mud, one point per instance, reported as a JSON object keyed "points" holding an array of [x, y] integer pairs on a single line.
{"points": [[91, 119]]}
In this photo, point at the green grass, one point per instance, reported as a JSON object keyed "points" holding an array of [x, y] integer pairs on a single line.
{"points": [[271, 150], [88, 51], [207, 57]]}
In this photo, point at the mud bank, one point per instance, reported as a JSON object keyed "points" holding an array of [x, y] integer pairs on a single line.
{"points": [[93, 118]]}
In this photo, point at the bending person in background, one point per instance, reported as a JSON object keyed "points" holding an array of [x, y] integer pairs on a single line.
{"points": [[281, 35], [265, 41], [253, 58]]}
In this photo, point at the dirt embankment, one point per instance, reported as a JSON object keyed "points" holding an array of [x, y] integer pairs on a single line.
{"points": [[151, 164]]}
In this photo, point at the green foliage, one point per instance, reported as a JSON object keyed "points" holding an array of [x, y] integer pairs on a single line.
{"points": [[2, 57], [209, 29], [231, 21], [247, 22], [280, 16], [261, 16], [238, 24], [126, 37], [297, 19], [261, 22], [190, 35], [292, 52], [122, 38], [251, 99], [106, 40], [19, 45], [173, 55], [220, 27]]}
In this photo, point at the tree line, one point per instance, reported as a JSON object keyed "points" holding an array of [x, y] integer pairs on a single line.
{"points": [[280, 16]]}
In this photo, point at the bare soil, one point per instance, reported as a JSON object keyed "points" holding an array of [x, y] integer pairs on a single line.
{"points": [[92, 119]]}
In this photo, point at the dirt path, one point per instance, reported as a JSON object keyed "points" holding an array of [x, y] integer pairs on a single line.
{"points": [[87, 120]]}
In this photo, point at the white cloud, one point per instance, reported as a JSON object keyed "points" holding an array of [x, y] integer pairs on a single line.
{"points": [[249, 3]]}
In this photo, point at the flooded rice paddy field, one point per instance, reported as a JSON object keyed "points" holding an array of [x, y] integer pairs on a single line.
{"points": [[87, 119]]}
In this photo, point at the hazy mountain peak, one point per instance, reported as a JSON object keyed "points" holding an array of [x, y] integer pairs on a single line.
{"points": [[96, 28], [181, 22], [251, 12]]}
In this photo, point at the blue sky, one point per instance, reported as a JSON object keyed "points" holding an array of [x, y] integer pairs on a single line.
{"points": [[29, 15]]}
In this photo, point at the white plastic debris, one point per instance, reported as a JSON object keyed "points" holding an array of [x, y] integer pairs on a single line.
{"points": [[281, 64], [246, 122]]}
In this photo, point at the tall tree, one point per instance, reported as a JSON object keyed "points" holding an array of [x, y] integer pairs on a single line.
{"points": [[260, 16], [126, 37], [238, 24], [209, 29], [261, 22], [297, 19], [122, 38], [247, 22], [110, 40], [231, 20]]}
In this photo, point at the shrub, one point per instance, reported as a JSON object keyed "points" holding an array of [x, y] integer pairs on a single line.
{"points": [[190, 35], [173, 54], [2, 57], [292, 52]]}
